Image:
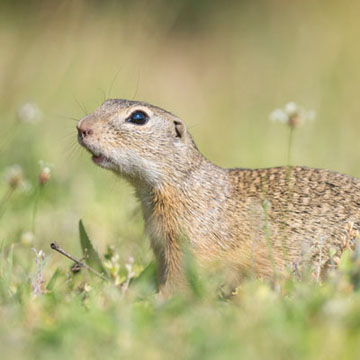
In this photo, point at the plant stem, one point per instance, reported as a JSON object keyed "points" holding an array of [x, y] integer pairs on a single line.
{"points": [[5, 199], [35, 208], [291, 137]]}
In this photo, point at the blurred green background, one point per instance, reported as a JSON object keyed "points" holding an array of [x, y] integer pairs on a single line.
{"points": [[222, 66]]}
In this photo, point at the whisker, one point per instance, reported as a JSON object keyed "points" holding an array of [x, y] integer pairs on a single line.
{"points": [[194, 126], [72, 150], [69, 118], [137, 84], [81, 106], [103, 94], [112, 83], [71, 135], [76, 152]]}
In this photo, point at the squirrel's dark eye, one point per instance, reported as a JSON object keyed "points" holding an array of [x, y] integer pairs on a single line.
{"points": [[138, 118]]}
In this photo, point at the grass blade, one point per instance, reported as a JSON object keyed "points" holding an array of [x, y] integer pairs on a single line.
{"points": [[52, 281], [92, 257]]}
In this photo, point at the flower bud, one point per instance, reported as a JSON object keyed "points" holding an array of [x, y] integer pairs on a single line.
{"points": [[44, 175]]}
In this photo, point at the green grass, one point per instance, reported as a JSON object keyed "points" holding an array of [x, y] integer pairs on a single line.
{"points": [[222, 69], [77, 315]]}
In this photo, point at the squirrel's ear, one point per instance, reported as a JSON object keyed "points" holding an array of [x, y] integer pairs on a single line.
{"points": [[179, 129]]}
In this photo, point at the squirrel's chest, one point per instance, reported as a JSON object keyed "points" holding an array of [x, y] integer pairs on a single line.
{"points": [[170, 218], [164, 219]]}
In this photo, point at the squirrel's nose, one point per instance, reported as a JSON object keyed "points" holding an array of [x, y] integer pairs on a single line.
{"points": [[83, 130]]}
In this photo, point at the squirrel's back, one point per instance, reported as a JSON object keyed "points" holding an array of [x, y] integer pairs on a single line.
{"points": [[302, 212]]}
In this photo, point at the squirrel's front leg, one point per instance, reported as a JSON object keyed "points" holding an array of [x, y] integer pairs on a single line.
{"points": [[171, 275]]}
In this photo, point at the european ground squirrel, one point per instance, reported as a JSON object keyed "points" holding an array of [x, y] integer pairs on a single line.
{"points": [[251, 221]]}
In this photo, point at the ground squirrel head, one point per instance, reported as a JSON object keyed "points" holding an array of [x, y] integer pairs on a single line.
{"points": [[140, 141]]}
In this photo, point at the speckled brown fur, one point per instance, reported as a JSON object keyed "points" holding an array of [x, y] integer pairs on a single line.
{"points": [[248, 221]]}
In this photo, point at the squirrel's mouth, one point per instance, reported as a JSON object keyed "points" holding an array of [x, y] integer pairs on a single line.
{"points": [[99, 159]]}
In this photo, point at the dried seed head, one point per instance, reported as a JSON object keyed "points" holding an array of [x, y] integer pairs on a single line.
{"points": [[44, 176], [45, 172], [292, 115], [294, 121], [14, 176]]}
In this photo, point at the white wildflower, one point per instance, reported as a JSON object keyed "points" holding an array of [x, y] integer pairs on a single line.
{"points": [[279, 115], [130, 274], [113, 266], [29, 113], [27, 238], [291, 108], [292, 115]]}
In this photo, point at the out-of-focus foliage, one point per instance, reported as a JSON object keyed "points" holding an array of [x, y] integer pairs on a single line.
{"points": [[222, 67]]}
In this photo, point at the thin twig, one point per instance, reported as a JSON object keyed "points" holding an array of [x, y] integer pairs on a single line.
{"points": [[57, 248]]}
